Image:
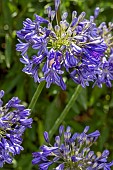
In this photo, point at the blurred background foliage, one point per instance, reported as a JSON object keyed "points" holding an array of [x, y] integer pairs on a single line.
{"points": [[94, 106]]}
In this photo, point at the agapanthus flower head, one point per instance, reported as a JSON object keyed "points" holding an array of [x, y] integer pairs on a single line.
{"points": [[13, 122], [71, 152], [61, 47]]}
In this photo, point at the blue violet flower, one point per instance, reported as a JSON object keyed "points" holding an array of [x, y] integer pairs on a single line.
{"points": [[13, 122], [71, 152], [79, 48]]}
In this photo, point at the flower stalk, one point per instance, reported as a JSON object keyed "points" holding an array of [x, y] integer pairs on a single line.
{"points": [[65, 111], [36, 95]]}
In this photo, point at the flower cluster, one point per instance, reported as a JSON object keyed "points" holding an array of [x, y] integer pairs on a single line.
{"points": [[13, 122], [78, 48], [71, 151]]}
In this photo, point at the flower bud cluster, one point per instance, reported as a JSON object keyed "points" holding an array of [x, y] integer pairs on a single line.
{"points": [[71, 151]]}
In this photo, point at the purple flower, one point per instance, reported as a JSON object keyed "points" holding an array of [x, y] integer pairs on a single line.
{"points": [[104, 72], [71, 151], [52, 69], [77, 48], [13, 122], [57, 3]]}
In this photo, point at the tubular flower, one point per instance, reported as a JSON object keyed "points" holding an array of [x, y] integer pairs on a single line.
{"points": [[76, 48], [104, 72], [71, 151], [13, 122]]}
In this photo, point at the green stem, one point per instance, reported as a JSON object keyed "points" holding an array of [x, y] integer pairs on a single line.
{"points": [[65, 111], [36, 95]]}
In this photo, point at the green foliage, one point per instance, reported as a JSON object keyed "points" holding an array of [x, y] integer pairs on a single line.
{"points": [[93, 106]]}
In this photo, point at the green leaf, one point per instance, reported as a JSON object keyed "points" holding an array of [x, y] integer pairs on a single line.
{"points": [[52, 113], [8, 50], [82, 99], [40, 132]]}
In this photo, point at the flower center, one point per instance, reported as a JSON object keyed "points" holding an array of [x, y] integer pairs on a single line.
{"points": [[59, 36], [61, 42]]}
